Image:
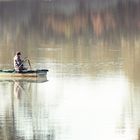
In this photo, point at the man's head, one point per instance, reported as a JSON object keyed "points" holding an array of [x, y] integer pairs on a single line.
{"points": [[18, 53]]}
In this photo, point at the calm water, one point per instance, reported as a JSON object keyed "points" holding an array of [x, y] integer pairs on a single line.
{"points": [[92, 92]]}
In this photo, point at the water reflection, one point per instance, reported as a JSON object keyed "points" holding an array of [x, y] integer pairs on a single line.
{"points": [[30, 114], [92, 93], [19, 88], [78, 107]]}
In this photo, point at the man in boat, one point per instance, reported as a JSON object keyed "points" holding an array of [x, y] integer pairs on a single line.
{"points": [[18, 63]]}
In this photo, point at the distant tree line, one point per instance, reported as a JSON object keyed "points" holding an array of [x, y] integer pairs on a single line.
{"points": [[20, 20]]}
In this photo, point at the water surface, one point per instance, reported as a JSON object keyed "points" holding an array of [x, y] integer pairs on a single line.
{"points": [[92, 92]]}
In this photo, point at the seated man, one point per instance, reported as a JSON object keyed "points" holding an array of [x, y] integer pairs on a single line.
{"points": [[18, 63]]}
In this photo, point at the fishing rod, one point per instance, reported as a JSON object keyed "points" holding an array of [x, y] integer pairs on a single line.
{"points": [[25, 59]]}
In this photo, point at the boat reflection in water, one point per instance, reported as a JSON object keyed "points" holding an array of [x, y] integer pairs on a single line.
{"points": [[18, 98], [21, 85], [18, 89]]}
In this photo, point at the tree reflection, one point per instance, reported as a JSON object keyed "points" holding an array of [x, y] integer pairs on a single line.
{"points": [[42, 22]]}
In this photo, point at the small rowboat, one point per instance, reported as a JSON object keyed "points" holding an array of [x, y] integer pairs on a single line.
{"points": [[24, 73]]}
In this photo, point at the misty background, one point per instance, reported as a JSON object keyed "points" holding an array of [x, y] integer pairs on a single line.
{"points": [[27, 25], [22, 21]]}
